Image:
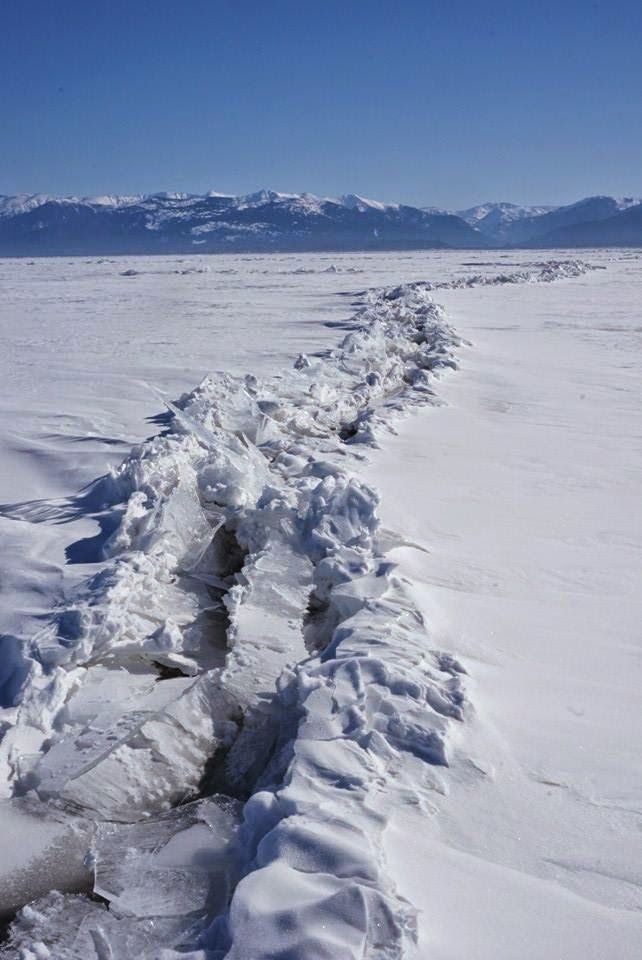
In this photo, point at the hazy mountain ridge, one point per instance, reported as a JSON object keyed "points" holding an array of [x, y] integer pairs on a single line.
{"points": [[583, 223], [597, 221], [549, 226], [257, 222], [39, 224]]}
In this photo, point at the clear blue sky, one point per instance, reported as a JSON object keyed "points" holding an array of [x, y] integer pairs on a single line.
{"points": [[426, 102]]}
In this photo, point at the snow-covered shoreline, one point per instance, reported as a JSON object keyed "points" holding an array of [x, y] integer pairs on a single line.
{"points": [[248, 509]]}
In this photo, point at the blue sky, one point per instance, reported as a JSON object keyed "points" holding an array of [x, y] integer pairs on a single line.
{"points": [[445, 103]]}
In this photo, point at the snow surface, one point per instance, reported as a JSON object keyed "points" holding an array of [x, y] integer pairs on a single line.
{"points": [[534, 533], [236, 629]]}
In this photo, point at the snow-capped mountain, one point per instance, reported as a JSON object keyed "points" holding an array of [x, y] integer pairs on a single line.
{"points": [[38, 224], [594, 221], [624, 228], [583, 223], [179, 222], [495, 220]]}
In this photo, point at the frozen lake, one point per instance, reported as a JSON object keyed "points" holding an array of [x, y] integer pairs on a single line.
{"points": [[82, 338], [517, 505], [84, 341], [525, 491]]}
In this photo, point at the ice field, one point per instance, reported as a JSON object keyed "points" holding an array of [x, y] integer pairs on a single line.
{"points": [[336, 654]]}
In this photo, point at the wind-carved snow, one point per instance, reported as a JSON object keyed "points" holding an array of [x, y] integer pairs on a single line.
{"points": [[247, 638]]}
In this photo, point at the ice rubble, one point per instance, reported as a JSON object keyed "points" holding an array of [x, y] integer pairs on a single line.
{"points": [[39, 842], [244, 637], [545, 271]]}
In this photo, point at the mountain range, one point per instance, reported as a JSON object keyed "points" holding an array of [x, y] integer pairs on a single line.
{"points": [[593, 222], [32, 225]]}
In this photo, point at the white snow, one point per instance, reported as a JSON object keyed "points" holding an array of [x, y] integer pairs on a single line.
{"points": [[306, 202], [502, 212], [233, 622], [530, 476], [354, 202], [21, 203]]}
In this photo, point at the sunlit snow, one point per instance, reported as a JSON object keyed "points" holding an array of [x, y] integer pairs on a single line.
{"points": [[319, 606]]}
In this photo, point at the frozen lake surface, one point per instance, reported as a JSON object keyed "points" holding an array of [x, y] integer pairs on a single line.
{"points": [[512, 512], [525, 490], [81, 338], [85, 343]]}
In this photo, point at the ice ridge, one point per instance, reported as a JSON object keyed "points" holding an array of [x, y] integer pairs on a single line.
{"points": [[246, 637]]}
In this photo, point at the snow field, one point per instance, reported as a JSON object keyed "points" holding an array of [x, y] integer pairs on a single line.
{"points": [[524, 488], [250, 629]]}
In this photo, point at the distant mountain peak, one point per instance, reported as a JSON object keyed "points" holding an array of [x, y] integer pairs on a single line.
{"points": [[352, 201], [493, 214]]}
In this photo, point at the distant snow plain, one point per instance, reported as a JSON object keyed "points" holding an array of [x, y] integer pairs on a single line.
{"points": [[513, 517]]}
